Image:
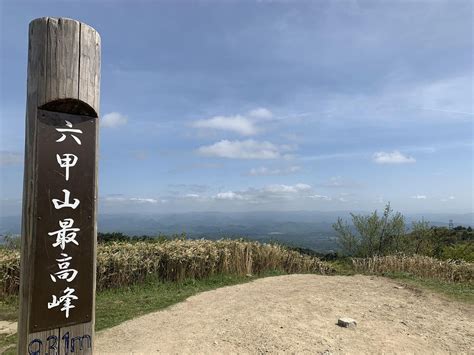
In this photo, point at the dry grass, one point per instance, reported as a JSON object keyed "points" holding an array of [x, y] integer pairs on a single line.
{"points": [[417, 265], [124, 263], [9, 271]]}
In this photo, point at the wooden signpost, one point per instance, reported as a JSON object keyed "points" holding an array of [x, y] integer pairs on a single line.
{"points": [[59, 224]]}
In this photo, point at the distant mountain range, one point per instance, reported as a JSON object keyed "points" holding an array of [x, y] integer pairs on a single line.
{"points": [[306, 229]]}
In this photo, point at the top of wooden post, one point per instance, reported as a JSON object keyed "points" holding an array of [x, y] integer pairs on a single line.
{"points": [[64, 65], [46, 18]]}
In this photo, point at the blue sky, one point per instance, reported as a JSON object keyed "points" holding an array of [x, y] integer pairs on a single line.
{"points": [[266, 105]]}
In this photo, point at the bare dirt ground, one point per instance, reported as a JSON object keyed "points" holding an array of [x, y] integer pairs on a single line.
{"points": [[298, 314], [7, 327]]}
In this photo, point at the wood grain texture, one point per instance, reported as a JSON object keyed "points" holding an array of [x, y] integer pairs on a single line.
{"points": [[44, 342], [89, 70], [36, 75], [71, 66], [75, 340], [62, 60], [63, 64]]}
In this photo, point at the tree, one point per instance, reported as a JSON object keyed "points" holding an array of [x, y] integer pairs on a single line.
{"points": [[112, 237], [348, 242], [374, 234], [422, 237]]}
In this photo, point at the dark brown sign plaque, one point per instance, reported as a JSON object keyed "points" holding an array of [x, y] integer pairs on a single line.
{"points": [[64, 239]]}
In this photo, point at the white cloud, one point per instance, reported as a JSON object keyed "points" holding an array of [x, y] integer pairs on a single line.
{"points": [[452, 95], [10, 158], [238, 124], [229, 195], [113, 120], [287, 188], [394, 157], [340, 182], [241, 124], [449, 198], [120, 198], [320, 197], [293, 169], [419, 197], [332, 156], [261, 113], [264, 171], [114, 198], [440, 100], [247, 149], [267, 194], [143, 200], [335, 181], [273, 194]]}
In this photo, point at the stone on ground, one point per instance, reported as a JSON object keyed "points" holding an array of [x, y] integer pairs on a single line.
{"points": [[346, 322]]}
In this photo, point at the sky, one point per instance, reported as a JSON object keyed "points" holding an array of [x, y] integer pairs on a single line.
{"points": [[265, 105]]}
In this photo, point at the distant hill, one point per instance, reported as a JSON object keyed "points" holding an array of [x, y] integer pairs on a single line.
{"points": [[293, 228], [309, 229]]}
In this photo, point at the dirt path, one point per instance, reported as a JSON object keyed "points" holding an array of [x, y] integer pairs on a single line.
{"points": [[298, 314]]}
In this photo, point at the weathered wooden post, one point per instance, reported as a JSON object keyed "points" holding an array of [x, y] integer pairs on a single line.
{"points": [[59, 228]]}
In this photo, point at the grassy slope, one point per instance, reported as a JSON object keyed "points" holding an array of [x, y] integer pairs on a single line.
{"points": [[454, 291]]}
